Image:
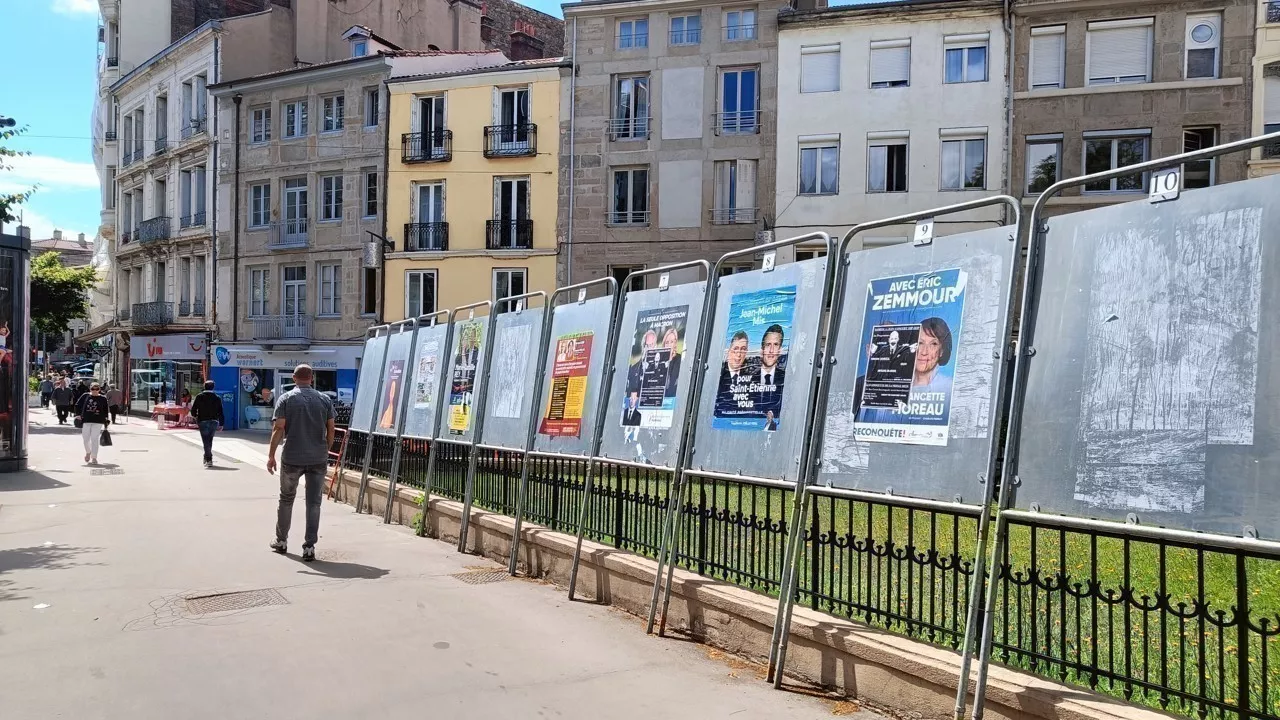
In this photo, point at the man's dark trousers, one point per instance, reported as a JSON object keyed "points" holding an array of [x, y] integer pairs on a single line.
{"points": [[207, 429]]}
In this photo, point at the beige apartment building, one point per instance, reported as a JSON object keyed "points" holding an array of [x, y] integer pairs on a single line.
{"points": [[1266, 88], [667, 133], [1097, 87]]}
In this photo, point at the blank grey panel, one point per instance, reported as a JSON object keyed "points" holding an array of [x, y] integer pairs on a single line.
{"points": [[590, 319], [733, 432], [394, 376], [425, 365], [680, 194], [936, 472], [682, 91], [509, 402], [375, 350], [1155, 384], [465, 378], [650, 432]]}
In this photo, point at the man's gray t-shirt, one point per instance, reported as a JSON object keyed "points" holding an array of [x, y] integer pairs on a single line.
{"points": [[306, 413]]}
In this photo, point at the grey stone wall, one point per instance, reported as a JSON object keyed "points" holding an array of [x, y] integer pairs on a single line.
{"points": [[520, 32]]}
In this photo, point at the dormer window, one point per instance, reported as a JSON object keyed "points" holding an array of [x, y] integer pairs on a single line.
{"points": [[359, 48]]}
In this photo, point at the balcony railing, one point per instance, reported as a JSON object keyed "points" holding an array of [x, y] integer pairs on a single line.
{"points": [[426, 147], [1273, 12], [155, 230], [634, 128], [152, 314], [686, 37], [509, 234], [510, 140], [289, 235], [738, 33], [113, 62], [629, 217], [733, 216], [110, 136], [184, 308], [633, 41], [419, 237], [197, 308], [162, 144], [737, 122], [194, 127], [195, 219], [280, 328]]}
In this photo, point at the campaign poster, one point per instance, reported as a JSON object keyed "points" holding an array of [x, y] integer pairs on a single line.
{"points": [[753, 370], [657, 350], [907, 358], [424, 375], [391, 387], [511, 357], [463, 384], [568, 395]]}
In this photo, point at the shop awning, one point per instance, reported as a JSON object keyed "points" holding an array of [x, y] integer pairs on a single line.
{"points": [[88, 336]]}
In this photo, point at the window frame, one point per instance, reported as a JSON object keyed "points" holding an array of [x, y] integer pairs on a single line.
{"points": [[902, 140], [964, 140], [330, 198], [1216, 133], [329, 306], [511, 272], [684, 30], [964, 46], [300, 128], [818, 146], [333, 114], [1114, 137], [265, 186], [370, 187], [1043, 31], [638, 41], [1030, 140], [1215, 21], [639, 127], [833, 49], [1093, 26], [423, 273], [743, 32], [613, 215], [359, 48], [891, 44], [365, 291], [260, 132], [372, 107], [262, 303]]}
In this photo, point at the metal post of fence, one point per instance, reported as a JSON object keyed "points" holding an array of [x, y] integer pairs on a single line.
{"points": [[1036, 234], [667, 552], [368, 447], [429, 320], [433, 445], [477, 413]]}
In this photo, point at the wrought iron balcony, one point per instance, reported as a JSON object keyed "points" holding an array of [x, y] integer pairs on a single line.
{"points": [[426, 147], [737, 122], [632, 128], [184, 308], [280, 328], [733, 216], [510, 140], [289, 235], [420, 237], [194, 127], [197, 308], [509, 234], [195, 219], [155, 230], [1273, 12], [113, 62], [162, 144], [152, 314], [109, 136]]}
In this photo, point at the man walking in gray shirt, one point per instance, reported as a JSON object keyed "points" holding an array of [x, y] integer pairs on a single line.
{"points": [[303, 420]]}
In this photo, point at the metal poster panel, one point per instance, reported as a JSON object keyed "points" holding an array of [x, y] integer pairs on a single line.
{"points": [[653, 364], [467, 357], [1156, 375], [517, 337], [913, 389], [394, 376], [425, 366], [756, 394], [367, 386], [575, 365]]}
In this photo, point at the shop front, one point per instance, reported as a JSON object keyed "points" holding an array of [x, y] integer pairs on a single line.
{"points": [[249, 378], [161, 367]]}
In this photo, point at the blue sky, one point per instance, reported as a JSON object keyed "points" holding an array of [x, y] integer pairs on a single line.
{"points": [[49, 85]]}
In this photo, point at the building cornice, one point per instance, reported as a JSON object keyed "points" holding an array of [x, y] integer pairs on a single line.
{"points": [[1127, 88], [213, 26], [352, 67], [902, 11]]}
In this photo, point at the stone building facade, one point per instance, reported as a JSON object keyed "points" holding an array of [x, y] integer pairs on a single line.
{"points": [[519, 31], [1101, 86]]}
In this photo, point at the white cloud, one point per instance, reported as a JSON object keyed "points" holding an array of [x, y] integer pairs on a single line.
{"points": [[50, 173], [76, 7], [42, 227]]}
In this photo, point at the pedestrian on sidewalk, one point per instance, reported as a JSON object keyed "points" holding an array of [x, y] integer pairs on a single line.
{"points": [[206, 410], [92, 412], [303, 420], [63, 400], [80, 390], [46, 390], [115, 400]]}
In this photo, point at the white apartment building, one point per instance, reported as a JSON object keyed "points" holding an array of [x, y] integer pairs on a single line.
{"points": [[887, 109], [1266, 88]]}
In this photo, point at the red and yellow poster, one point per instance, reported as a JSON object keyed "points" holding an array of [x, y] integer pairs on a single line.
{"points": [[568, 386]]}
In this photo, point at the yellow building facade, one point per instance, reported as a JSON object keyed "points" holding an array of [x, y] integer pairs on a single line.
{"points": [[472, 183]]}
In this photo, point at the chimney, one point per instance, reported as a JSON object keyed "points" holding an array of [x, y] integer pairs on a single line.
{"points": [[57, 234], [24, 231], [82, 242]]}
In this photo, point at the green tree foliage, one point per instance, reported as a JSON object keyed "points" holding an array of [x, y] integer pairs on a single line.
{"points": [[59, 294], [9, 201]]}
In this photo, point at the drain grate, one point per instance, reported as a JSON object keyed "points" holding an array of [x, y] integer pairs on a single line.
{"points": [[227, 602], [106, 471], [482, 577]]}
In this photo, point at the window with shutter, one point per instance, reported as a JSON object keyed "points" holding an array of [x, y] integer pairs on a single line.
{"points": [[1048, 48], [820, 69], [890, 63], [1119, 52]]}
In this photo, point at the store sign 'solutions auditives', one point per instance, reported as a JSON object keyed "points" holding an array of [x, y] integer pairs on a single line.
{"points": [[907, 358]]}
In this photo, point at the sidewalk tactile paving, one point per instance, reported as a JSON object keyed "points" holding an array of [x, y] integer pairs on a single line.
{"points": [[482, 577], [227, 602]]}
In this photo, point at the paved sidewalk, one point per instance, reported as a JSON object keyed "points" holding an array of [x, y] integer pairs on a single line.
{"points": [[96, 565]]}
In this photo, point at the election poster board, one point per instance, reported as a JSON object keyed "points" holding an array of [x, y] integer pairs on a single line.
{"points": [[649, 397], [575, 366], [362, 414], [387, 419], [517, 340], [425, 367], [468, 355], [566, 403], [757, 391]]}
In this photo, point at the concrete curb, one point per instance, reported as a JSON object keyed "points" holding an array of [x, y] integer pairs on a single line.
{"points": [[855, 660]]}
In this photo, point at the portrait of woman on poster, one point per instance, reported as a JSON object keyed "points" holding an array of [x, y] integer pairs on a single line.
{"points": [[933, 352]]}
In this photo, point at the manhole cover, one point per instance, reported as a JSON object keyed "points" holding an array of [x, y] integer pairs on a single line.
{"points": [[106, 471], [482, 577], [226, 602]]}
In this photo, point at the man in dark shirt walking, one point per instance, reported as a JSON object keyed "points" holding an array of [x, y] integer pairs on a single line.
{"points": [[303, 420], [206, 410]]}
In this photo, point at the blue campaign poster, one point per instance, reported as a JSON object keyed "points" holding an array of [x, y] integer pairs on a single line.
{"points": [[907, 357], [754, 368]]}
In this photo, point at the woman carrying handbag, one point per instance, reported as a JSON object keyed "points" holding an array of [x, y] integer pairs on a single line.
{"points": [[92, 414]]}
